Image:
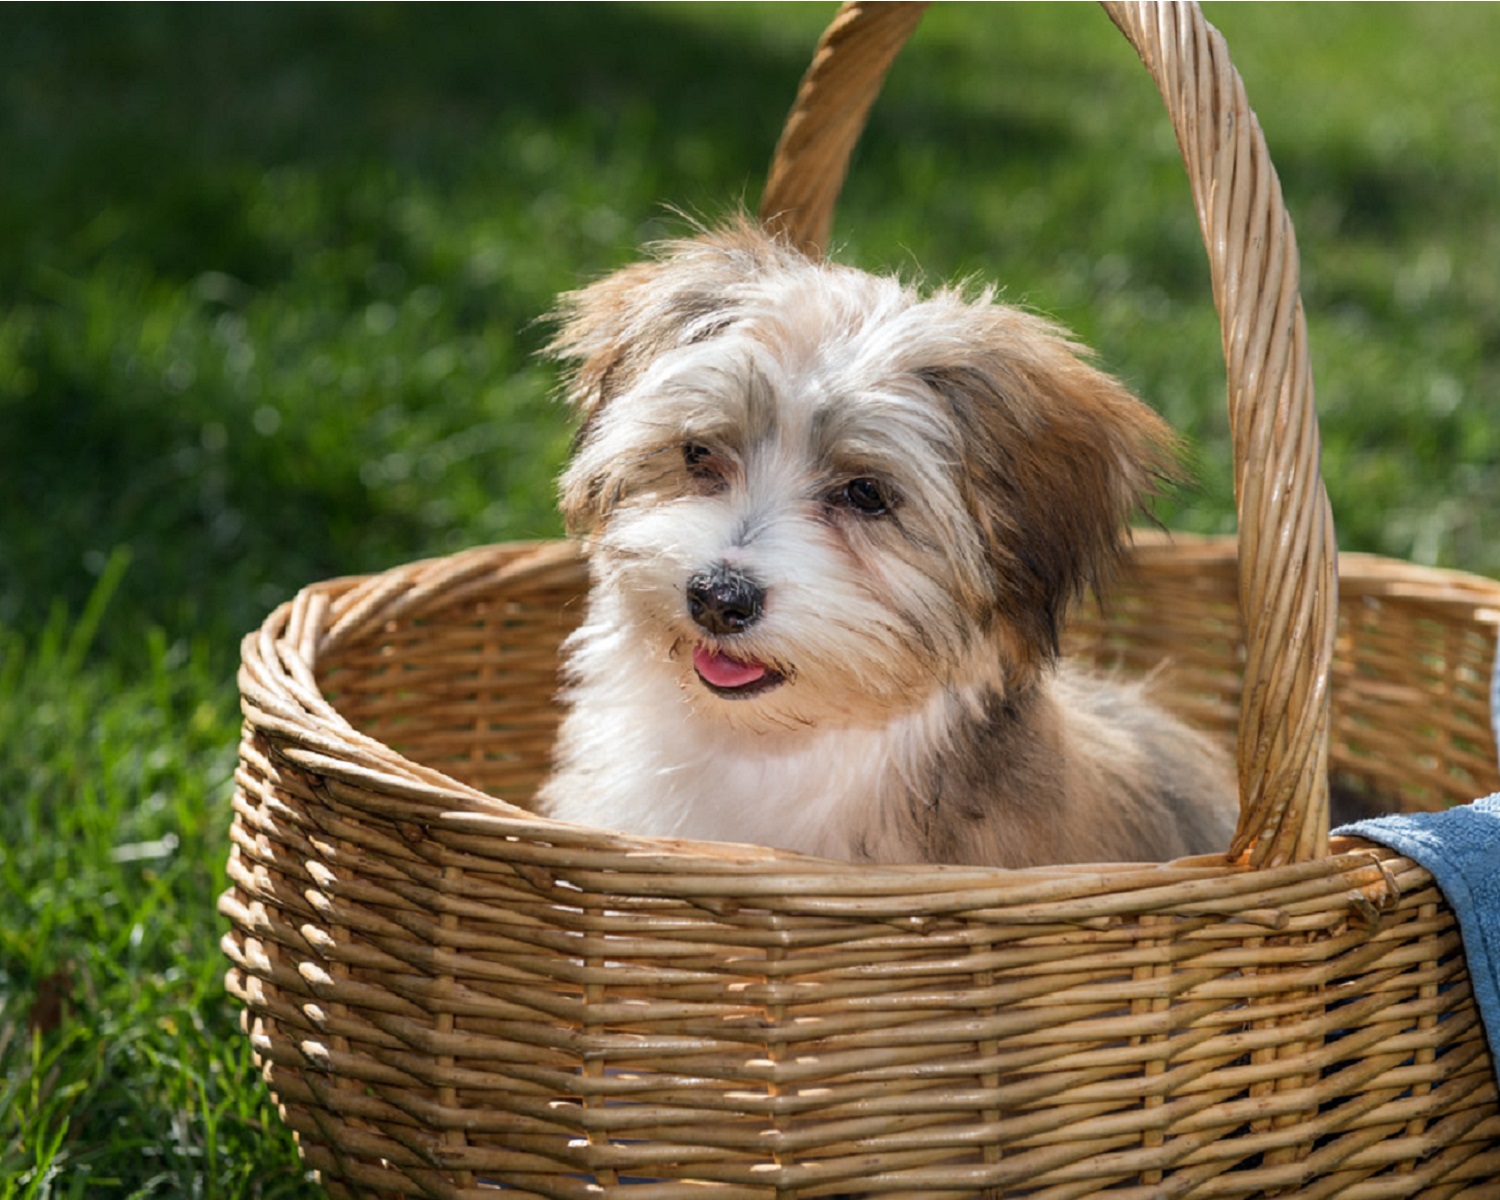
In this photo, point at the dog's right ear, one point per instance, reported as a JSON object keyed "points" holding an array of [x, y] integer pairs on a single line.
{"points": [[612, 330]]}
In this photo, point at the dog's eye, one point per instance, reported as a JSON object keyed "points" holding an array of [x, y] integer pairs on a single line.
{"points": [[704, 466], [696, 457], [866, 497]]}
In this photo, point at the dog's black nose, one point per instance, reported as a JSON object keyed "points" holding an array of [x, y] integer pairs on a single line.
{"points": [[724, 600]]}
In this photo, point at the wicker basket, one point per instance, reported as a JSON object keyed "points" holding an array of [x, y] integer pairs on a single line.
{"points": [[451, 997]]}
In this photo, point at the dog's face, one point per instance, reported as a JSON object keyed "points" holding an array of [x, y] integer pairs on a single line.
{"points": [[815, 497]]}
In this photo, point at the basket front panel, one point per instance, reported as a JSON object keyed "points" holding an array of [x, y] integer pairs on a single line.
{"points": [[490, 1013]]}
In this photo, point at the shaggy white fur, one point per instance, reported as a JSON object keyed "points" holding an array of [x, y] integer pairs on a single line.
{"points": [[834, 527]]}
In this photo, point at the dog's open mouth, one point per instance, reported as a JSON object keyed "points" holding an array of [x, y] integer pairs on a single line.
{"points": [[733, 677]]}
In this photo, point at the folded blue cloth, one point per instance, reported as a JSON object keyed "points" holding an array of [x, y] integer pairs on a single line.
{"points": [[1460, 847]]}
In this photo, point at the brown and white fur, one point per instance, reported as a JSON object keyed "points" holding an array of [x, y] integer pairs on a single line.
{"points": [[833, 529]]}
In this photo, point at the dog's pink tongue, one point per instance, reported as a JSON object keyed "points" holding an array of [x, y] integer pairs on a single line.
{"points": [[723, 671]]}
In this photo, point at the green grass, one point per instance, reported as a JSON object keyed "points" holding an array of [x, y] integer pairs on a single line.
{"points": [[269, 291], [123, 1068]]}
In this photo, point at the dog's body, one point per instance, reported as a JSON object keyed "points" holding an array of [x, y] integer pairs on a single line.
{"points": [[833, 530]]}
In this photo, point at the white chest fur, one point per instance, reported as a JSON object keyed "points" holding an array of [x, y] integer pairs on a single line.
{"points": [[656, 766]]}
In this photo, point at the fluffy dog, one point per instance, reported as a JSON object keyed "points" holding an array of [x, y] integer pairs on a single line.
{"points": [[833, 528]]}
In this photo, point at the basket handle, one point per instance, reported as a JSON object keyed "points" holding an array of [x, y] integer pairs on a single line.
{"points": [[1288, 580]]}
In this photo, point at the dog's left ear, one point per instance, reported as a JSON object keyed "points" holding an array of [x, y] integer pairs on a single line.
{"points": [[1057, 456]]}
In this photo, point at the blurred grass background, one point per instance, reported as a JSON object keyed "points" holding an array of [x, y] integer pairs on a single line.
{"points": [[270, 278]]}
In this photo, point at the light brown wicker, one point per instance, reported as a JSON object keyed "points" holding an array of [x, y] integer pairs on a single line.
{"points": [[451, 997]]}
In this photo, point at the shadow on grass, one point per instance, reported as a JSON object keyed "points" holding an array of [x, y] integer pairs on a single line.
{"points": [[198, 183]]}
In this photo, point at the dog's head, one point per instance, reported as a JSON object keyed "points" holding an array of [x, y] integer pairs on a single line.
{"points": [[819, 494]]}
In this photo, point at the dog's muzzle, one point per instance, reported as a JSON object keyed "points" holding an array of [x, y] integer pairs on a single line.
{"points": [[724, 601]]}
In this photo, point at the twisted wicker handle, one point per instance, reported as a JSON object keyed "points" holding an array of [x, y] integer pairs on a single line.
{"points": [[1288, 559]]}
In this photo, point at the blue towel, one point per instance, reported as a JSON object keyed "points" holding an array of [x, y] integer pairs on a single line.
{"points": [[1460, 847]]}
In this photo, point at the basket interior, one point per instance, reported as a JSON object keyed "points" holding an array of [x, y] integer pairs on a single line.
{"points": [[470, 688]]}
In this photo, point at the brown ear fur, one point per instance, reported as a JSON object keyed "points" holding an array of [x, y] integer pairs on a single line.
{"points": [[612, 329], [1057, 457]]}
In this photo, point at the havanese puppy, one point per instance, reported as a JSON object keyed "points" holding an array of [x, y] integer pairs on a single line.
{"points": [[833, 530]]}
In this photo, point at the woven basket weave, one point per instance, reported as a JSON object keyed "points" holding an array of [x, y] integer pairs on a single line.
{"points": [[451, 997]]}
